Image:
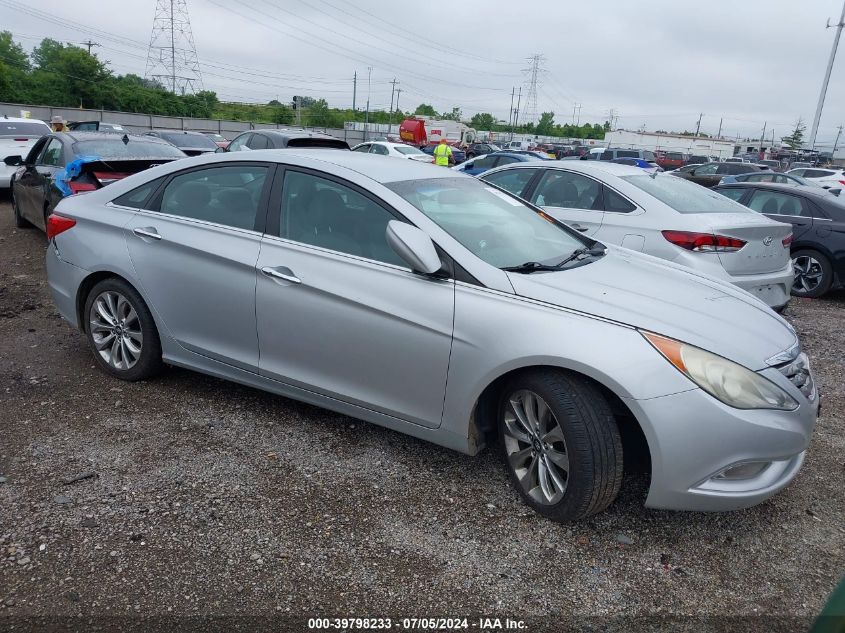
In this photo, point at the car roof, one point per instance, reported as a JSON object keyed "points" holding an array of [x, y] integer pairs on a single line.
{"points": [[188, 132], [816, 192], [75, 135], [588, 167], [17, 119], [297, 133]]}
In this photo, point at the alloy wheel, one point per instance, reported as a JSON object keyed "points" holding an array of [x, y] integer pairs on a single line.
{"points": [[808, 274], [116, 330], [535, 447]]}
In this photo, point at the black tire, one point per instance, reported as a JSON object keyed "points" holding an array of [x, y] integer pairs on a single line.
{"points": [[823, 267], [19, 220], [592, 443], [149, 361]]}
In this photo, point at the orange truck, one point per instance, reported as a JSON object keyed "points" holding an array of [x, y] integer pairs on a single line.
{"points": [[421, 131]]}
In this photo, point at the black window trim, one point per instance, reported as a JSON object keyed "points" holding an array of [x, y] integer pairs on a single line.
{"points": [[154, 202]]}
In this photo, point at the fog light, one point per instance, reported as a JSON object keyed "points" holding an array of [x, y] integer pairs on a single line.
{"points": [[746, 470]]}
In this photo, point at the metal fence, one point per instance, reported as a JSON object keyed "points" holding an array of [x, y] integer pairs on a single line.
{"points": [[135, 122]]}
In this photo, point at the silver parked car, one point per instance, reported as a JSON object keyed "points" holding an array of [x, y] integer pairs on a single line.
{"points": [[662, 216], [434, 304]]}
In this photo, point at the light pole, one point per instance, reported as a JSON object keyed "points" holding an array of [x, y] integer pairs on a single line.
{"points": [[815, 129]]}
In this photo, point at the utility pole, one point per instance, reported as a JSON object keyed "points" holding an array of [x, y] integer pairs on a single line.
{"points": [[398, 92], [390, 116], [367, 115], [578, 122], [836, 142], [815, 129], [719, 133], [763, 136], [510, 112], [698, 125], [354, 90], [516, 112], [89, 44]]}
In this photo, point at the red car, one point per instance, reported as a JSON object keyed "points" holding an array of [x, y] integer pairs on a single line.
{"points": [[670, 160], [221, 140]]}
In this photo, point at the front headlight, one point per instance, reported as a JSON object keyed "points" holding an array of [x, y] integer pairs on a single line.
{"points": [[725, 380]]}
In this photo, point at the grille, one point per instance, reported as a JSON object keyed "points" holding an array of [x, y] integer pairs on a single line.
{"points": [[798, 373]]}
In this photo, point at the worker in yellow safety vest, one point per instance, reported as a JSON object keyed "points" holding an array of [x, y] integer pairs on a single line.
{"points": [[443, 154]]}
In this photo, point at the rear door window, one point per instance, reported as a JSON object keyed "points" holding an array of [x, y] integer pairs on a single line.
{"points": [[258, 141], [227, 195], [776, 203], [485, 162], [53, 154], [733, 194], [379, 149], [558, 188], [513, 180], [239, 143]]}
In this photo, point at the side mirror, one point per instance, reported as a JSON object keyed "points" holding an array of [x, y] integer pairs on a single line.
{"points": [[13, 161], [414, 247]]}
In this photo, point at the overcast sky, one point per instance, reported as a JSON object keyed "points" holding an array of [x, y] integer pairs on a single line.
{"points": [[656, 63]]}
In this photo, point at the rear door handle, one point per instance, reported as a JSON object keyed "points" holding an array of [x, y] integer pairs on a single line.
{"points": [[281, 272], [579, 227], [149, 232]]}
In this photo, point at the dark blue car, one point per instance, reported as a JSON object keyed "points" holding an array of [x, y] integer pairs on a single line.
{"points": [[480, 164]]}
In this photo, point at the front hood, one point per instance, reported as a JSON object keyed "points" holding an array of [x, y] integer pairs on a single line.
{"points": [[665, 298]]}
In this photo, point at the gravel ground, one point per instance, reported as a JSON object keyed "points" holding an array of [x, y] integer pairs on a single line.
{"points": [[214, 503]]}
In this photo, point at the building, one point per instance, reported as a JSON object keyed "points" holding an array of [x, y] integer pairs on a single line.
{"points": [[701, 145]]}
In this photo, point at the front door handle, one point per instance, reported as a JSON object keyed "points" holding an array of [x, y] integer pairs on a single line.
{"points": [[149, 232], [579, 227], [281, 272]]}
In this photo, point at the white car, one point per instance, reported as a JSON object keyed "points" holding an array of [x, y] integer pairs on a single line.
{"points": [[396, 150], [827, 178], [17, 136], [660, 215]]}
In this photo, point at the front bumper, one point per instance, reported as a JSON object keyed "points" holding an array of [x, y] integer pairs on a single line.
{"points": [[693, 438]]}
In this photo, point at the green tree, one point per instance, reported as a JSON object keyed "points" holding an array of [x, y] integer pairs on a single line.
{"points": [[11, 53], [796, 139], [483, 121], [545, 126], [425, 110], [454, 115]]}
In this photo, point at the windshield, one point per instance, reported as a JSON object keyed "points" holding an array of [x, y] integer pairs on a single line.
{"points": [[188, 140], [11, 128], [685, 196], [499, 229], [117, 149], [407, 149]]}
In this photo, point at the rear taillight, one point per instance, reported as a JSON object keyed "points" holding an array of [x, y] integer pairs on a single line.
{"points": [[703, 242], [787, 241], [79, 187], [58, 224], [108, 177], [842, 181]]}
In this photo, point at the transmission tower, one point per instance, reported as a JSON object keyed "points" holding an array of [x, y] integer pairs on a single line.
{"points": [[533, 73], [172, 56]]}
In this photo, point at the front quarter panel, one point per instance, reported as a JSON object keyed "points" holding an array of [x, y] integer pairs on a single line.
{"points": [[496, 333]]}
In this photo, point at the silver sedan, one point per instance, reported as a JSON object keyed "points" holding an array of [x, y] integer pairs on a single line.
{"points": [[442, 307], [663, 216]]}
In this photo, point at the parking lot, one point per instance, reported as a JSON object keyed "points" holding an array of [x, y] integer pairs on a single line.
{"points": [[199, 497]]}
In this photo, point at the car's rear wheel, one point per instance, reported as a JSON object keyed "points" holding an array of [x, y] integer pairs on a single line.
{"points": [[561, 444], [19, 220], [121, 331], [813, 273]]}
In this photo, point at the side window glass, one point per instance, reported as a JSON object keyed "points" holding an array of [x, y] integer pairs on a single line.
{"points": [[566, 189], [258, 141], [52, 156], [226, 195], [616, 203], [324, 213], [362, 148], [513, 180], [733, 194], [775, 203], [380, 149], [35, 151], [606, 156], [239, 143], [506, 160], [485, 162], [136, 198]]}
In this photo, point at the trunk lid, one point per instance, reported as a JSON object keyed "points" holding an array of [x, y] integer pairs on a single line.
{"points": [[763, 252]]}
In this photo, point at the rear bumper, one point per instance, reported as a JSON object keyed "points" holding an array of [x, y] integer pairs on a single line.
{"points": [[772, 289], [64, 280]]}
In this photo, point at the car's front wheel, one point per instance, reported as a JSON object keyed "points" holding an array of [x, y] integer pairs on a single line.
{"points": [[813, 274], [121, 331], [561, 444]]}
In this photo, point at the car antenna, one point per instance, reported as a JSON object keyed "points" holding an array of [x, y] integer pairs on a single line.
{"points": [[125, 139]]}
